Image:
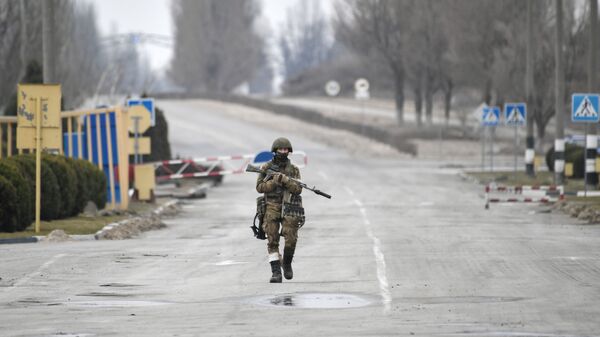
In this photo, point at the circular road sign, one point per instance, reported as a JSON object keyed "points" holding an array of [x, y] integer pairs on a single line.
{"points": [[361, 85], [142, 114], [332, 88]]}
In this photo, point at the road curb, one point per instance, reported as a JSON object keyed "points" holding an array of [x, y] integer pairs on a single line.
{"points": [[30, 239], [163, 210], [131, 227], [464, 176]]}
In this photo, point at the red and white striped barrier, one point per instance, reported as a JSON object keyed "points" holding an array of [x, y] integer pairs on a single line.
{"points": [[546, 189], [212, 166]]}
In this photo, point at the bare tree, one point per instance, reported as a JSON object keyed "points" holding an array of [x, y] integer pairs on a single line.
{"points": [[10, 62], [78, 57], [216, 46], [304, 43], [426, 54], [376, 29]]}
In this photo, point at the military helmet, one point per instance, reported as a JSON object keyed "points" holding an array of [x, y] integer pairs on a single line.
{"points": [[281, 143]]}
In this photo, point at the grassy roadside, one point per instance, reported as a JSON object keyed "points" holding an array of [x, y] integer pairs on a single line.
{"points": [[80, 225], [75, 225], [510, 178], [584, 209]]}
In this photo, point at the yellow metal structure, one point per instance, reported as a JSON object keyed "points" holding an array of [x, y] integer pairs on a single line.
{"points": [[99, 116], [38, 127], [46, 98], [7, 127], [568, 169], [38, 165], [143, 143], [144, 181], [144, 118], [538, 162], [31, 135]]}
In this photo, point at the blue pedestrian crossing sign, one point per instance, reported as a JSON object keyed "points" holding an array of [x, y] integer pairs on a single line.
{"points": [[491, 116], [148, 103], [584, 108], [515, 114]]}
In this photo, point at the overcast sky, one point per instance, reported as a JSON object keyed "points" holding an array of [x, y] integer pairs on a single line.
{"points": [[154, 16]]}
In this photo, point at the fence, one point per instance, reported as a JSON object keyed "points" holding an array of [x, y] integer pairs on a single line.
{"points": [[8, 127], [517, 193], [99, 136]]}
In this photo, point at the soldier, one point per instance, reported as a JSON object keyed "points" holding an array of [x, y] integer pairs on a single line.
{"points": [[283, 207]]}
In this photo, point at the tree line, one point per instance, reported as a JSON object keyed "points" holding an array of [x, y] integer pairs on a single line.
{"points": [[83, 62], [436, 47]]}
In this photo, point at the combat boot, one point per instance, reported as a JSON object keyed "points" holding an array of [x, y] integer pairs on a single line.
{"points": [[276, 270], [288, 255]]}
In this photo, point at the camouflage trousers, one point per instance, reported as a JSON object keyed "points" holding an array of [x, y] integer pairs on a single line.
{"points": [[271, 224]]}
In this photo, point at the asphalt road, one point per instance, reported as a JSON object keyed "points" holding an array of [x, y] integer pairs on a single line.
{"points": [[404, 248]]}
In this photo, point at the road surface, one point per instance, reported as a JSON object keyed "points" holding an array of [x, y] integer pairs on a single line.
{"points": [[404, 248]]}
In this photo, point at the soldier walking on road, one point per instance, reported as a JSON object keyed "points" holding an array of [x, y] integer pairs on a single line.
{"points": [[283, 208]]}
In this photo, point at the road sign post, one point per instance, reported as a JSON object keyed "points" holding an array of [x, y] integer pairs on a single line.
{"points": [[147, 103], [361, 88], [515, 114], [38, 127], [332, 89], [584, 109], [490, 118], [139, 122]]}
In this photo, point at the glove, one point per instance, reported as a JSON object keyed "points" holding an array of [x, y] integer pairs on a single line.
{"points": [[281, 179]]}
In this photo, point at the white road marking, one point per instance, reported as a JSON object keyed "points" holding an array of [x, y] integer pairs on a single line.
{"points": [[228, 263], [37, 272], [384, 289]]}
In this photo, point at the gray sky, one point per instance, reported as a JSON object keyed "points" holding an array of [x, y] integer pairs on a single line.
{"points": [[154, 16]]}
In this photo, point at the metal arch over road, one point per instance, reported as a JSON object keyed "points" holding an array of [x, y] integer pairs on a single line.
{"points": [[140, 38], [405, 248]]}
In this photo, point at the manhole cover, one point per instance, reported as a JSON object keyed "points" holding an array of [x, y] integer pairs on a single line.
{"points": [[315, 300]]}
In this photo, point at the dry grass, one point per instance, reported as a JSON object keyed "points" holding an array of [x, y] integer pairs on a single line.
{"points": [[76, 225]]}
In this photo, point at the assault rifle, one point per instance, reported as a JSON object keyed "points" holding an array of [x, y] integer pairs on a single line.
{"points": [[270, 172]]}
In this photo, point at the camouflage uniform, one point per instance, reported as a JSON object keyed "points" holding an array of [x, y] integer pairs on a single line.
{"points": [[275, 192]]}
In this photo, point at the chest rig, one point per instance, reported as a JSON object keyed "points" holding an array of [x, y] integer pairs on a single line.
{"points": [[291, 203]]}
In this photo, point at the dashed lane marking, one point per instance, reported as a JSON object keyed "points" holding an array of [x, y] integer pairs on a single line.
{"points": [[384, 288], [36, 272]]}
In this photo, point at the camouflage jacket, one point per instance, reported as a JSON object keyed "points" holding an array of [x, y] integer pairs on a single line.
{"points": [[274, 191]]}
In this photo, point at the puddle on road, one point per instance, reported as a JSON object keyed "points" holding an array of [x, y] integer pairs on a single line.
{"points": [[314, 301]]}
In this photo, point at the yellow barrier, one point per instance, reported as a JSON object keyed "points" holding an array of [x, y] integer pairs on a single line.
{"points": [[145, 181], [569, 169], [538, 162]]}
